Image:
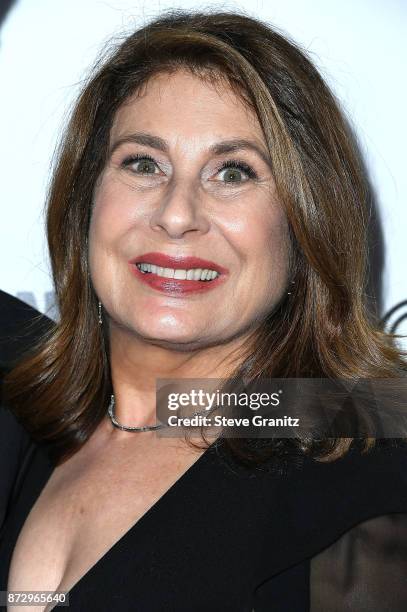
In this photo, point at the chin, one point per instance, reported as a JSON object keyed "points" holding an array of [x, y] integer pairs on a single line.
{"points": [[177, 338], [176, 342], [160, 331]]}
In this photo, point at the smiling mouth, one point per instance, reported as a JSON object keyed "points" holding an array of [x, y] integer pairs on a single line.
{"points": [[194, 274]]}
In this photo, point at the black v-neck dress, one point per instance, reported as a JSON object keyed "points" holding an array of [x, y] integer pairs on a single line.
{"points": [[306, 537]]}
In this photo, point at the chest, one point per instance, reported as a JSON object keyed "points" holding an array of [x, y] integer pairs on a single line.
{"points": [[83, 511]]}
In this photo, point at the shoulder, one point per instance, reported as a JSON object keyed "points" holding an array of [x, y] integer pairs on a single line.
{"points": [[359, 555], [325, 500], [343, 524], [368, 476], [358, 486]]}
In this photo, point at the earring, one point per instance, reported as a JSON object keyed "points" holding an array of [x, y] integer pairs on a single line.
{"points": [[100, 313], [289, 292]]}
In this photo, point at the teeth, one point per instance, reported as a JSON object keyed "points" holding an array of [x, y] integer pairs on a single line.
{"points": [[180, 274]]}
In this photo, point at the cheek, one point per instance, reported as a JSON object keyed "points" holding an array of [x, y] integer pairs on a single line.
{"points": [[270, 265], [262, 239], [277, 246], [112, 214]]}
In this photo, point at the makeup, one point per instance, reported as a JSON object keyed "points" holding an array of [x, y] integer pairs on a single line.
{"points": [[177, 274]]}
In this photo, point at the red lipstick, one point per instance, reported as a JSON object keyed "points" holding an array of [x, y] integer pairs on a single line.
{"points": [[186, 263], [174, 286]]}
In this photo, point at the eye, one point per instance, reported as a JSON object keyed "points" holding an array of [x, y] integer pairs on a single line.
{"points": [[233, 170], [140, 164]]}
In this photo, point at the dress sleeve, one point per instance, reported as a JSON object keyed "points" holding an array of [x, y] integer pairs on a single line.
{"points": [[14, 442], [365, 569]]}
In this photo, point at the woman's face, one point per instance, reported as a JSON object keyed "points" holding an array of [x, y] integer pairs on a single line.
{"points": [[166, 190]]}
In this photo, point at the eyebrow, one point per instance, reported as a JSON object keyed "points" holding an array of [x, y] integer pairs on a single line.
{"points": [[219, 148]]}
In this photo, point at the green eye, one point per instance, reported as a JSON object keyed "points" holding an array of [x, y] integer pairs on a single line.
{"points": [[145, 166], [235, 171], [141, 164], [232, 175]]}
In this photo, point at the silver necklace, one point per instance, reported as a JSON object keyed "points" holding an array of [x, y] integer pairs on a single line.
{"points": [[126, 427], [110, 411]]}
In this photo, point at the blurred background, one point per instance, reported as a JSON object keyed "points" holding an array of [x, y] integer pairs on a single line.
{"points": [[48, 46]]}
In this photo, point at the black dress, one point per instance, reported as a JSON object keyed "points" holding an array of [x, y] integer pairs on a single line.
{"points": [[20, 327], [310, 537]]}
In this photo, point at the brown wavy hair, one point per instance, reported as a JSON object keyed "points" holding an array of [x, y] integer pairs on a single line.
{"points": [[61, 389]]}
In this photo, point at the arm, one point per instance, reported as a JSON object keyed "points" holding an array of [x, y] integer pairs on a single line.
{"points": [[365, 569]]}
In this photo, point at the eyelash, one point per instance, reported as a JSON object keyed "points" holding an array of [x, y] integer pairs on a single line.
{"points": [[231, 163]]}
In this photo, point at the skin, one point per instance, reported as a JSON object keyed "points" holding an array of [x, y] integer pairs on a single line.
{"points": [[183, 205]]}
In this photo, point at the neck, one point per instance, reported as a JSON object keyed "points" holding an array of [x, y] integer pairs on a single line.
{"points": [[136, 364]]}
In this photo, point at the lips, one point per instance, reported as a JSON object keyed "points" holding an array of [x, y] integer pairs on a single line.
{"points": [[173, 286], [185, 263]]}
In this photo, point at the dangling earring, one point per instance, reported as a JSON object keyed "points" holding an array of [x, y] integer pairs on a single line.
{"points": [[289, 292], [100, 313]]}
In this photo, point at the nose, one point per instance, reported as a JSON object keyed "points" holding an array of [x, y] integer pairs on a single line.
{"points": [[180, 211]]}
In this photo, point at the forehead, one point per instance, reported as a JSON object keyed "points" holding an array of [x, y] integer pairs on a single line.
{"points": [[187, 105]]}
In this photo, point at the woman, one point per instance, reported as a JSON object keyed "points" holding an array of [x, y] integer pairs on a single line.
{"points": [[205, 141]]}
